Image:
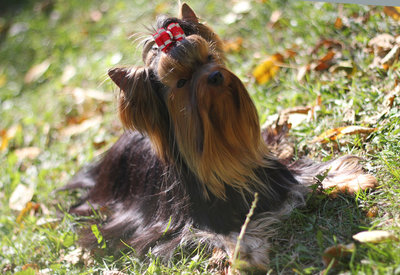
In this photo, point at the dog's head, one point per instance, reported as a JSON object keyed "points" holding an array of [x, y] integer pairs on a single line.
{"points": [[187, 99]]}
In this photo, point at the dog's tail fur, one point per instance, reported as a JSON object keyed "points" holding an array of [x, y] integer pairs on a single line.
{"points": [[344, 174]]}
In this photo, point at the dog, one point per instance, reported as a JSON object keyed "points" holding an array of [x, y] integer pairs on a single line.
{"points": [[193, 155]]}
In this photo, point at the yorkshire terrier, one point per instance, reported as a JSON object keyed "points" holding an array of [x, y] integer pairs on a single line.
{"points": [[193, 155]]}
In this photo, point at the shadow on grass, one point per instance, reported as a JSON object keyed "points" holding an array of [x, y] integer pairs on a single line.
{"points": [[322, 223]]}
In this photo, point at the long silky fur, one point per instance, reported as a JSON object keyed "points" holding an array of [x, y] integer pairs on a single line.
{"points": [[191, 158]]}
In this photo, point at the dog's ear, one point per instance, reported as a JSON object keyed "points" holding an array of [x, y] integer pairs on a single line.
{"points": [[141, 106], [120, 77], [187, 14]]}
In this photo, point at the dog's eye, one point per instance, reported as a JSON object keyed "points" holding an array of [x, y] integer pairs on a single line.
{"points": [[181, 82], [210, 58]]}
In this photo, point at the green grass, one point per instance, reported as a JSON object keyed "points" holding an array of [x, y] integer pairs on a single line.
{"points": [[68, 35]]}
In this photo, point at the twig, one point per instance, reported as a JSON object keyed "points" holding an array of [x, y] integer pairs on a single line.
{"points": [[243, 229]]}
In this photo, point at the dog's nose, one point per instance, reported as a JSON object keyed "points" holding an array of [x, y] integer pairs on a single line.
{"points": [[216, 78]]}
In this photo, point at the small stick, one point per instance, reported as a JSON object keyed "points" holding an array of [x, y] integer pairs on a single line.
{"points": [[243, 229]]}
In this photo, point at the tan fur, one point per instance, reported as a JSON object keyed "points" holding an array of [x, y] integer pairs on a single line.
{"points": [[139, 108], [230, 132]]}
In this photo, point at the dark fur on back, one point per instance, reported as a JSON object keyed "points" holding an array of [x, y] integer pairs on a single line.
{"points": [[149, 203]]}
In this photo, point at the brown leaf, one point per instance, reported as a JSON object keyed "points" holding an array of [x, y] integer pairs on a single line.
{"points": [[338, 23], [335, 253], [389, 99], [336, 133], [234, 45], [297, 110], [372, 212], [30, 208], [7, 135], [328, 44], [21, 195], [30, 266], [325, 62], [318, 101], [393, 12], [374, 236], [36, 71], [291, 52], [268, 68]]}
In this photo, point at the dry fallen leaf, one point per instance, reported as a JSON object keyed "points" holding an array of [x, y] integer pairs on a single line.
{"points": [[21, 195], [77, 255], [7, 135], [338, 23], [390, 97], [335, 253], [386, 49], [325, 62], [268, 68], [273, 20], [374, 236], [372, 212], [343, 65], [30, 266], [80, 128], [328, 44], [302, 72], [290, 53], [27, 152], [336, 133], [36, 71], [391, 57], [381, 44], [393, 12], [48, 222], [73, 256], [68, 73], [29, 209], [80, 95], [234, 45]]}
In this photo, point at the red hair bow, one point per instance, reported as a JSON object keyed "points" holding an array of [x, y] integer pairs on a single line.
{"points": [[166, 38]]}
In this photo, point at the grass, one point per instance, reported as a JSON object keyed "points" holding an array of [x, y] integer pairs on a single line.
{"points": [[80, 40]]}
